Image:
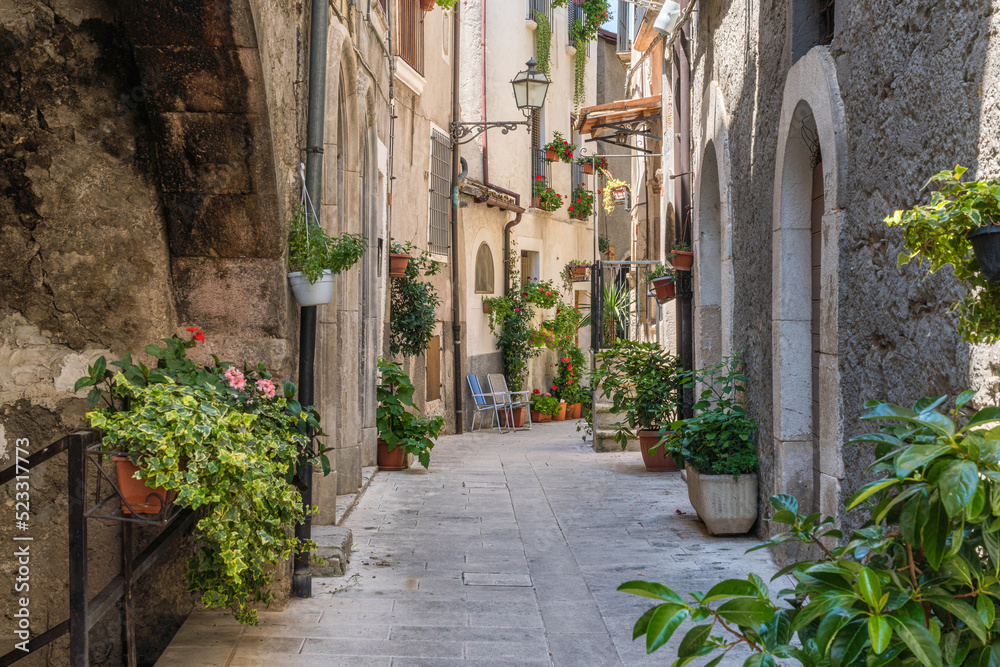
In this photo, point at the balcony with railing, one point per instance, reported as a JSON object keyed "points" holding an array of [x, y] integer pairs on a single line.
{"points": [[538, 6]]}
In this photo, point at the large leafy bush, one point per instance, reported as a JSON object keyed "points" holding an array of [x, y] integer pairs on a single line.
{"points": [[399, 422], [414, 305], [917, 584]]}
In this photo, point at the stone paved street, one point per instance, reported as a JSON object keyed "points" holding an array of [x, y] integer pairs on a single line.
{"points": [[508, 551]]}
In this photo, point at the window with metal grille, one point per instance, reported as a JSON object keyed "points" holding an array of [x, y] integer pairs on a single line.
{"points": [[577, 170], [539, 165], [440, 191], [624, 44], [542, 6], [408, 33]]}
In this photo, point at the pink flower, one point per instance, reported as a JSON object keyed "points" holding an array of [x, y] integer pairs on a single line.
{"points": [[235, 377], [553, 387], [571, 382], [266, 387]]}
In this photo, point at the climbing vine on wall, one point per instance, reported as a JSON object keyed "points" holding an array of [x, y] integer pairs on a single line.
{"points": [[543, 42], [580, 74]]}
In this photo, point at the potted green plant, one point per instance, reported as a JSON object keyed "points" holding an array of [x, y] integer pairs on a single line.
{"points": [[717, 447], [216, 438], [413, 303], [401, 428], [592, 164], [559, 149], [914, 584], [544, 197], [581, 203], [543, 406], [661, 277], [575, 271], [681, 256], [314, 258], [961, 227], [399, 259], [644, 384]]}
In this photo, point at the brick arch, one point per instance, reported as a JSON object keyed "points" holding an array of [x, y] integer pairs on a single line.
{"points": [[204, 93]]}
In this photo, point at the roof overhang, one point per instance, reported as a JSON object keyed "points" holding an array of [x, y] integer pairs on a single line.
{"points": [[491, 196], [605, 122]]}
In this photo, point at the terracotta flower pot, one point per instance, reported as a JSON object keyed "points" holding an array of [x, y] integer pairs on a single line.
{"points": [[574, 410], [664, 288], [619, 194], [519, 415], [138, 494], [659, 460], [390, 460], [397, 265], [588, 167], [579, 273], [551, 156], [561, 415], [486, 308], [682, 260], [427, 5], [539, 418], [536, 202]]}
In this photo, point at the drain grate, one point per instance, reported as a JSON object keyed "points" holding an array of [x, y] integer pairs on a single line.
{"points": [[496, 579]]}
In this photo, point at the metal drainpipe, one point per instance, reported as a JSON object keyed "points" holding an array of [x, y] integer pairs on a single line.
{"points": [[301, 578], [506, 246], [456, 322], [682, 196]]}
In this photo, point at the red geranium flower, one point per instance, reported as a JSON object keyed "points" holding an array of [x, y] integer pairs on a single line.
{"points": [[198, 334]]}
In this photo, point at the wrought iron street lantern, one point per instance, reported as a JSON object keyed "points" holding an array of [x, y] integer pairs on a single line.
{"points": [[530, 87]]}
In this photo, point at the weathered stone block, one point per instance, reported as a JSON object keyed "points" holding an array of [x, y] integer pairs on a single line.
{"points": [[348, 469], [334, 548], [201, 225], [205, 79]]}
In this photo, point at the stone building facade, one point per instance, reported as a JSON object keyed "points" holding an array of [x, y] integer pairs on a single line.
{"points": [[151, 159], [810, 123]]}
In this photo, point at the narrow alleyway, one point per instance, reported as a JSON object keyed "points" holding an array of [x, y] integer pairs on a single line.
{"points": [[508, 551]]}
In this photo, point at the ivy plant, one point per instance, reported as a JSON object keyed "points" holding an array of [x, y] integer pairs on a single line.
{"points": [[414, 304], [399, 422], [718, 438], [644, 384], [579, 69], [312, 251], [228, 442], [543, 42], [938, 231], [917, 584]]}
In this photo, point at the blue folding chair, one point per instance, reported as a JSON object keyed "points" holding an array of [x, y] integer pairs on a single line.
{"points": [[485, 403]]}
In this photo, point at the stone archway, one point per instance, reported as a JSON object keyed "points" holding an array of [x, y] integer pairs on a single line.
{"points": [[806, 373], [712, 237]]}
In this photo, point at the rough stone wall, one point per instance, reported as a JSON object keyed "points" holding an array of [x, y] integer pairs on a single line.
{"points": [[88, 220], [916, 86]]}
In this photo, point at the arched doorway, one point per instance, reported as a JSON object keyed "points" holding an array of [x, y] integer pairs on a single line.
{"points": [[805, 255]]}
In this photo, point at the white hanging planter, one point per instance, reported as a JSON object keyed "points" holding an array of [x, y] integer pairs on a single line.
{"points": [[312, 294]]}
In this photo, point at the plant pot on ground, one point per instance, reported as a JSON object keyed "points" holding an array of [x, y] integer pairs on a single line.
{"points": [[314, 258], [659, 459], [644, 383], [404, 431], [391, 459], [717, 446], [518, 415], [574, 410], [561, 415], [543, 406]]}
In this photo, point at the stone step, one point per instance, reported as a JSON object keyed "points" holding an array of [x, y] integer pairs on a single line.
{"points": [[333, 546]]}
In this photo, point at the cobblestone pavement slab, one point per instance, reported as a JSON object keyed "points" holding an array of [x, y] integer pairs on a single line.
{"points": [[506, 552]]}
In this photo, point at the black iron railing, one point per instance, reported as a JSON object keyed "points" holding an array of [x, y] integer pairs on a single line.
{"points": [[84, 612]]}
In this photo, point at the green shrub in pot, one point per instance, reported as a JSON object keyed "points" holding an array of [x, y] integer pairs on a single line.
{"points": [[916, 584], [312, 251], [399, 422], [644, 384]]}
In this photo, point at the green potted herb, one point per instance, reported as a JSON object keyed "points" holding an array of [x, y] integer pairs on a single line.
{"points": [[314, 258], [717, 447], [559, 149], [644, 383], [401, 428], [544, 197], [661, 277], [914, 584], [961, 227], [218, 439], [543, 406], [681, 256]]}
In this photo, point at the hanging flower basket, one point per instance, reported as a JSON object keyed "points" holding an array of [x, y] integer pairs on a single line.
{"points": [[487, 308], [619, 194], [588, 167], [665, 288], [682, 260], [551, 155], [397, 265], [427, 5], [312, 294], [986, 246], [579, 274]]}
